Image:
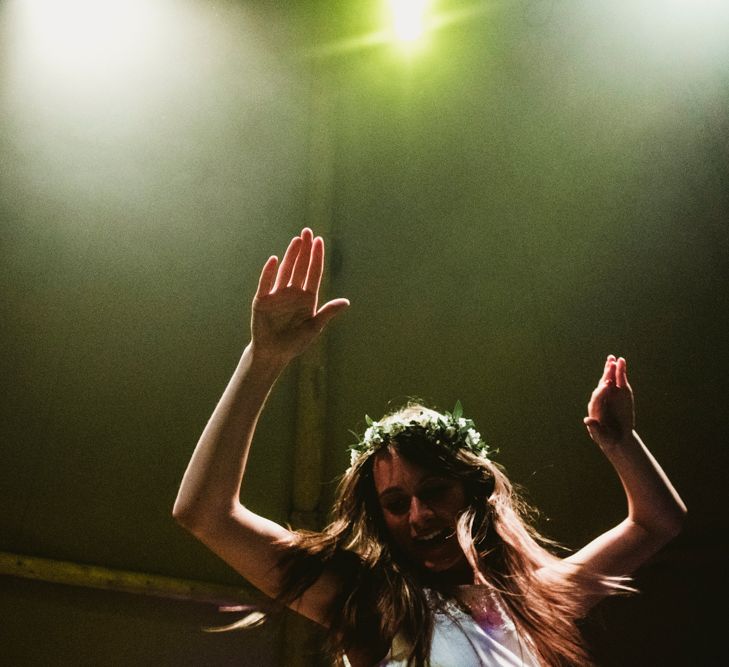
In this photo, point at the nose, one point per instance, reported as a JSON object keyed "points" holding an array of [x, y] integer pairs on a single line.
{"points": [[420, 515]]}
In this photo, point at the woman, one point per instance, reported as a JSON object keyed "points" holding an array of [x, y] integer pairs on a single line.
{"points": [[430, 556]]}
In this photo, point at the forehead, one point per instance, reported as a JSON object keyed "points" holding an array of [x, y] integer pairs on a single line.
{"points": [[390, 469]]}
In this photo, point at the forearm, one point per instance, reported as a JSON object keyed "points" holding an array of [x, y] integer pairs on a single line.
{"points": [[655, 514], [655, 510], [211, 484], [653, 502]]}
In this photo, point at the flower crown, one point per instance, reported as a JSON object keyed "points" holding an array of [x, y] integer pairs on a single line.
{"points": [[449, 429]]}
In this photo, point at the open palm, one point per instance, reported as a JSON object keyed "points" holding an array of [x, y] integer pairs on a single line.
{"points": [[286, 317]]}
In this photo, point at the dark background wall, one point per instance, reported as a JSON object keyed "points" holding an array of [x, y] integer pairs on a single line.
{"points": [[541, 184]]}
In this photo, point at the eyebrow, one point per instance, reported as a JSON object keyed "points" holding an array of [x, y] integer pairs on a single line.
{"points": [[398, 489], [390, 490]]}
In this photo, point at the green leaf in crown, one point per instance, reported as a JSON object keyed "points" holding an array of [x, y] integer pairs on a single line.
{"points": [[451, 430]]}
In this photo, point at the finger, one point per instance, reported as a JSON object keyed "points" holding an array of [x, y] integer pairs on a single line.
{"points": [[330, 310], [597, 432], [621, 376], [316, 266], [610, 379], [268, 275], [302, 261], [287, 264], [592, 425], [606, 369]]}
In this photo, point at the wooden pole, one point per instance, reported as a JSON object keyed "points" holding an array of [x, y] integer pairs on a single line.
{"points": [[301, 647]]}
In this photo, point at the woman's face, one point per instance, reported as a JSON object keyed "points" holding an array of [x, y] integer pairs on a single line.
{"points": [[420, 509]]}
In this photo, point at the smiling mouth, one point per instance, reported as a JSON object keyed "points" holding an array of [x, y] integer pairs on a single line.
{"points": [[434, 538]]}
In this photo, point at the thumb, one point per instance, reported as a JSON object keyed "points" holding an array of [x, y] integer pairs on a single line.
{"points": [[328, 311], [594, 427]]}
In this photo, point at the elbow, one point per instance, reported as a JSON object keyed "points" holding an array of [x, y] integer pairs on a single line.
{"points": [[660, 529], [677, 521], [199, 519], [187, 517], [672, 523], [181, 515]]}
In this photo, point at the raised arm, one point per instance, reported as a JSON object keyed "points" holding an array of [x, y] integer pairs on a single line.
{"points": [[285, 320], [655, 510]]}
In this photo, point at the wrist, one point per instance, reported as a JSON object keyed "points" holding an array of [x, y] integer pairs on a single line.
{"points": [[264, 359], [623, 446]]}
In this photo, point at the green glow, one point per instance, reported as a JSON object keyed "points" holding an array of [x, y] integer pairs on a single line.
{"points": [[408, 19]]}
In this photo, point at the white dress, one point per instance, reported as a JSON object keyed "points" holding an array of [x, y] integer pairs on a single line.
{"points": [[486, 637]]}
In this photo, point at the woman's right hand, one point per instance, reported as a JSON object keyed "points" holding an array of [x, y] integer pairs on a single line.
{"points": [[286, 318]]}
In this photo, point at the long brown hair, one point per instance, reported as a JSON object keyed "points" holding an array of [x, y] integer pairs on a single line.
{"points": [[382, 596]]}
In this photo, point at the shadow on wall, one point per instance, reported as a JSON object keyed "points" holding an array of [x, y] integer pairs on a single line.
{"points": [[670, 622]]}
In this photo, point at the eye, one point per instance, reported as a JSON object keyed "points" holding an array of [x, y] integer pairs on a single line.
{"points": [[397, 506], [434, 491]]}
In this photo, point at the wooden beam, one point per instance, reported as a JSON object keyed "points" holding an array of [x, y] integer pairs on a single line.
{"points": [[104, 578]]}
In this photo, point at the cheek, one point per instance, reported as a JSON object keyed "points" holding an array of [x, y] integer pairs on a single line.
{"points": [[396, 527], [455, 505]]}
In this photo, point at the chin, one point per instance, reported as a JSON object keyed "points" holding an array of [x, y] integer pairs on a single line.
{"points": [[446, 564], [437, 575]]}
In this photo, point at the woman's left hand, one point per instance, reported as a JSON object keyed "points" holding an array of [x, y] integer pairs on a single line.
{"points": [[611, 411], [655, 510]]}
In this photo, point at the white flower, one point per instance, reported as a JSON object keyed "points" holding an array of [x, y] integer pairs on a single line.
{"points": [[462, 422], [473, 438], [371, 434], [396, 428]]}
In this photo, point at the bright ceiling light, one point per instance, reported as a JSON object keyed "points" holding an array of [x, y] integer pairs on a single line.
{"points": [[408, 19]]}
